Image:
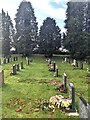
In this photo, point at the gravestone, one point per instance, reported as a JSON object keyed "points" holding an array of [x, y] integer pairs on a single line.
{"points": [[56, 72], [8, 60], [18, 68], [22, 65], [49, 61], [28, 61], [65, 59], [1, 77], [84, 108], [54, 66], [16, 58], [81, 65], [4, 61], [64, 80], [72, 95], [0, 61], [14, 69], [75, 62]]}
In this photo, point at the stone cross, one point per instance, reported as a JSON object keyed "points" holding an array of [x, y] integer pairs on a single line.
{"points": [[64, 80], [1, 77], [72, 94], [14, 69]]}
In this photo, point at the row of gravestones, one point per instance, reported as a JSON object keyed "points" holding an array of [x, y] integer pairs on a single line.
{"points": [[75, 63], [84, 109], [8, 60], [63, 86], [53, 67]]}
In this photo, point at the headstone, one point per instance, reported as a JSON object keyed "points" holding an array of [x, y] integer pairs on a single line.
{"points": [[14, 69], [4, 61], [75, 62], [72, 95], [18, 68], [8, 60], [1, 77], [65, 59], [56, 72], [22, 65], [54, 67], [16, 58], [0, 61], [64, 80], [81, 65], [49, 61], [28, 61], [84, 108]]}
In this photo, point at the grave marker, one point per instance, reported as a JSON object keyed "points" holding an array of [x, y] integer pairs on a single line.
{"points": [[14, 69], [18, 68], [1, 77], [64, 80], [54, 66], [81, 65], [0, 61], [4, 61], [22, 65], [72, 95], [84, 108]]}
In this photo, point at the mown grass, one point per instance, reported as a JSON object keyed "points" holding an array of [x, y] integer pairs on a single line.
{"points": [[31, 83]]}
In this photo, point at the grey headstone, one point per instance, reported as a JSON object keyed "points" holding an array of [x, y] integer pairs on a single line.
{"points": [[1, 77], [18, 68], [81, 65], [84, 108], [22, 65], [64, 80], [4, 61], [72, 94], [14, 69]]}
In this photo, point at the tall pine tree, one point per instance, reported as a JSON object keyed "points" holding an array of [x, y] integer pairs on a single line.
{"points": [[7, 33], [26, 29], [49, 36], [76, 25]]}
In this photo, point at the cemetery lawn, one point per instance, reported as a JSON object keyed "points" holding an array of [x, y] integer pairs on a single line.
{"points": [[21, 90]]}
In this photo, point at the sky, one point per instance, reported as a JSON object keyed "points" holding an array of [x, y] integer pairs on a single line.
{"points": [[43, 8]]}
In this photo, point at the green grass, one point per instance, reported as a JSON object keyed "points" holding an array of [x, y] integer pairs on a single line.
{"points": [[32, 83]]}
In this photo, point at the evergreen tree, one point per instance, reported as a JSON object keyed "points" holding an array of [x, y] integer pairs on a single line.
{"points": [[49, 36], [26, 28], [7, 33], [76, 25]]}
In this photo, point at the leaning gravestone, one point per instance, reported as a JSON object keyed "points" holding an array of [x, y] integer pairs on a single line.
{"points": [[84, 108], [1, 77]]}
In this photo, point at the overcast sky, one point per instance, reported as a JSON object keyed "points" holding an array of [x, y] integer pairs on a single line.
{"points": [[43, 8]]}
